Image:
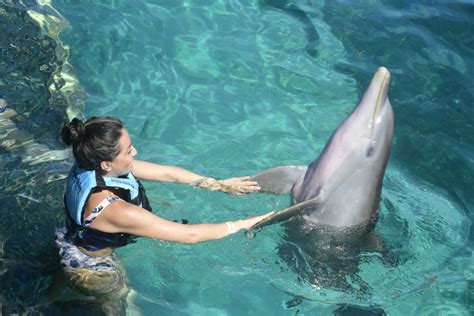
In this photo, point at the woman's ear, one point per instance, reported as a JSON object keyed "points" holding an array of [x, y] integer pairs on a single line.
{"points": [[106, 166]]}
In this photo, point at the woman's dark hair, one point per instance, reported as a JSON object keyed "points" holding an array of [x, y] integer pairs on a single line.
{"points": [[94, 141]]}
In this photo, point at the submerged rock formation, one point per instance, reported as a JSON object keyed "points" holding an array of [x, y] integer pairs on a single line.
{"points": [[42, 92]]}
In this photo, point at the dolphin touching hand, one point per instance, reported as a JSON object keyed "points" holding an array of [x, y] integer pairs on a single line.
{"points": [[335, 200], [342, 187]]}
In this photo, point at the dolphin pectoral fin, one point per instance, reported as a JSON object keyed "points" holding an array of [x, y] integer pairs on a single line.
{"points": [[279, 180], [285, 214]]}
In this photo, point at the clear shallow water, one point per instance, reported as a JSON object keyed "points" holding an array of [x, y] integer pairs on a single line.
{"points": [[230, 88]]}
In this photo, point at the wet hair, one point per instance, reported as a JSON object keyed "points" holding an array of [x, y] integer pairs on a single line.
{"points": [[93, 141]]}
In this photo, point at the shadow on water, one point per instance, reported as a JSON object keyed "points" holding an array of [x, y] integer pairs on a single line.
{"points": [[292, 9], [41, 92], [328, 257]]}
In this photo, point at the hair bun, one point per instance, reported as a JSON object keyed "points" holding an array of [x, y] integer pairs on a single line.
{"points": [[73, 132]]}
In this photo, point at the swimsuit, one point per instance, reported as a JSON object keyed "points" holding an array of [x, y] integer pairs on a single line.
{"points": [[72, 257]]}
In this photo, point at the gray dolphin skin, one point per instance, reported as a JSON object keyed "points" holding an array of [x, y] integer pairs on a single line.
{"points": [[342, 187], [336, 199]]}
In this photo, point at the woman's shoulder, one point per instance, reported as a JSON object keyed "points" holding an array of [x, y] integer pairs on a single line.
{"points": [[97, 197]]}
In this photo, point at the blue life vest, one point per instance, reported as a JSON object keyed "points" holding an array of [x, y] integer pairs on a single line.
{"points": [[81, 184]]}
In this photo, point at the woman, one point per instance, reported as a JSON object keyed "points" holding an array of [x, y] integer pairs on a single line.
{"points": [[106, 207]]}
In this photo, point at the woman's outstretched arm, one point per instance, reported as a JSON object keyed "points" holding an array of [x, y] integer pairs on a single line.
{"points": [[123, 217], [151, 171]]}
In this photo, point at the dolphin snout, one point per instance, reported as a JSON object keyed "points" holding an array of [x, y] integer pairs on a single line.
{"points": [[380, 84], [383, 71], [380, 81]]}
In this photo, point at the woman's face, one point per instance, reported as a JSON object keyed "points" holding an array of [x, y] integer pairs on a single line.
{"points": [[123, 163]]}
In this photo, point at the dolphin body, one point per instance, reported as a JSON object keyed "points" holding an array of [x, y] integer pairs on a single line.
{"points": [[335, 200]]}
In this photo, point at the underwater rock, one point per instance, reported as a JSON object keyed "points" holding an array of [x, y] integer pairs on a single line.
{"points": [[37, 81], [20, 142], [41, 92]]}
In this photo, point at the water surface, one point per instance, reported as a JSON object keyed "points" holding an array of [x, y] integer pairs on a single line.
{"points": [[229, 88]]}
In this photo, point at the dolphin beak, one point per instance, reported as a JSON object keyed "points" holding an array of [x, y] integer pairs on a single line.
{"points": [[379, 88], [382, 77]]}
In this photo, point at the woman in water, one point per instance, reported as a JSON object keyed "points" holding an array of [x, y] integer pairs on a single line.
{"points": [[106, 207]]}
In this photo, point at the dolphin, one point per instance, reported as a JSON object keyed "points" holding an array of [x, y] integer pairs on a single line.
{"points": [[335, 199], [342, 187]]}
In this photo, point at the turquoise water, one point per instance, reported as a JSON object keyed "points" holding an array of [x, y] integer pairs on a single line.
{"points": [[234, 87]]}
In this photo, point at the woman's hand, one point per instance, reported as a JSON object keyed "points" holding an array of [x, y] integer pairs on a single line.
{"points": [[249, 222], [240, 185]]}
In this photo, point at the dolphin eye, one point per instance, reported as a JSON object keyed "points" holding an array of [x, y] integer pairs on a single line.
{"points": [[370, 151]]}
